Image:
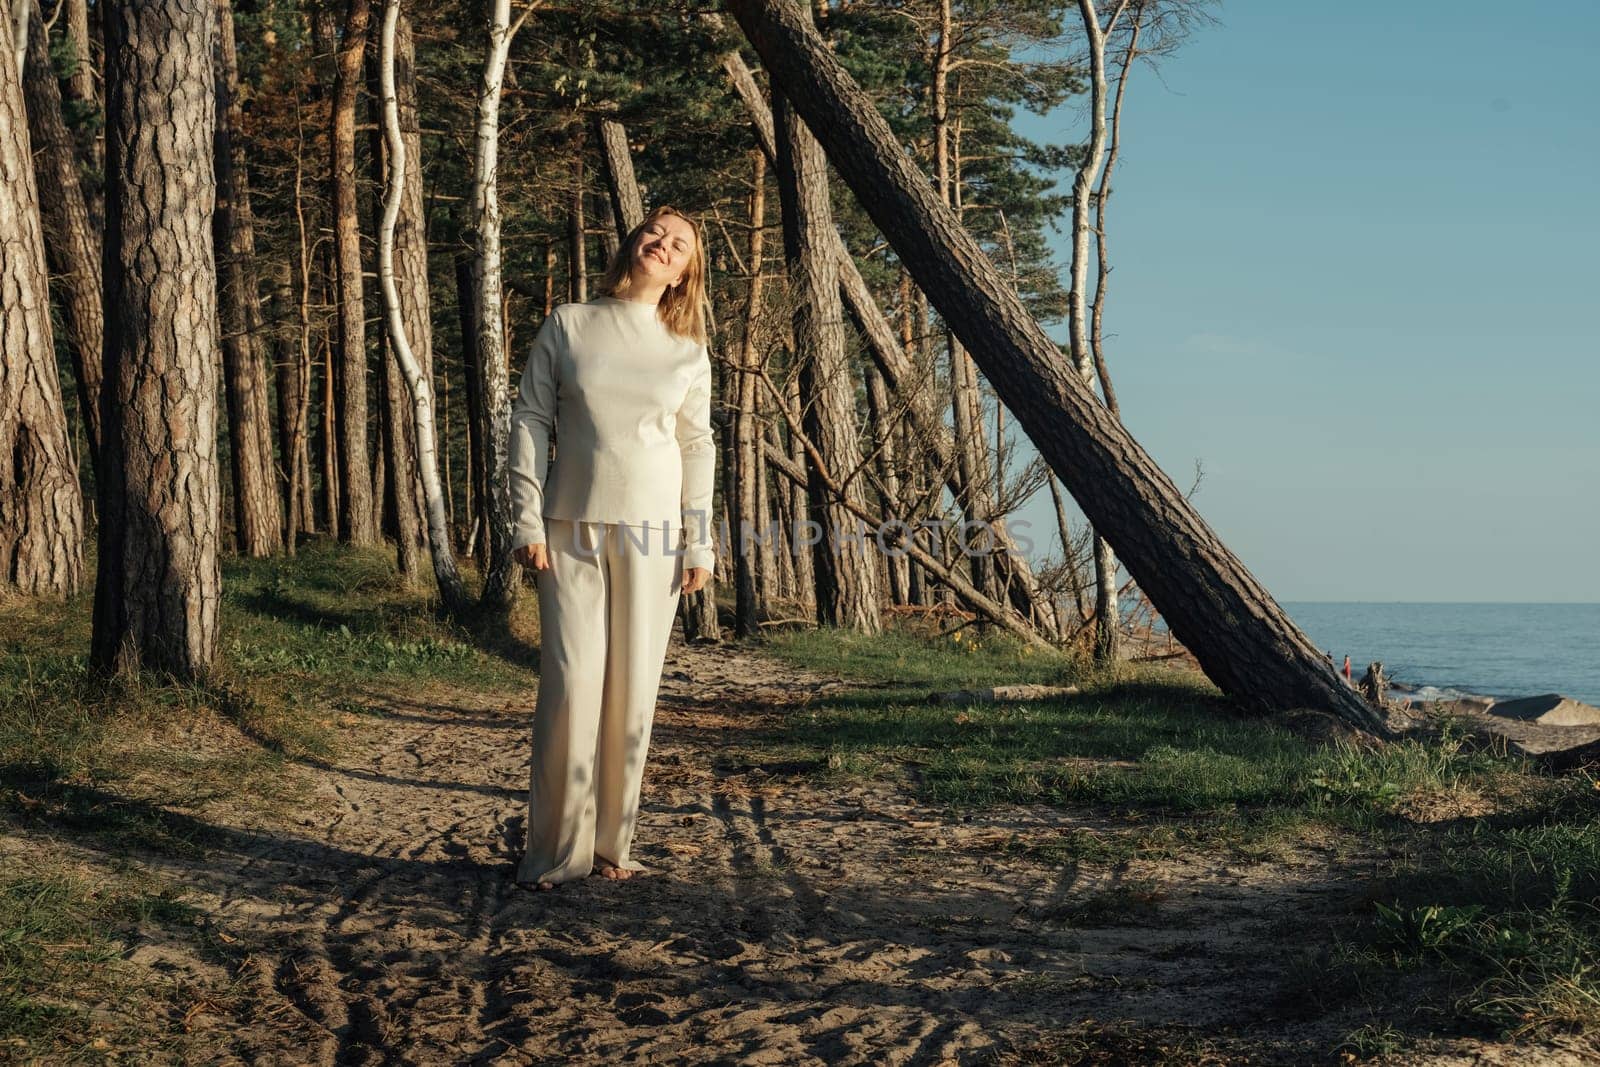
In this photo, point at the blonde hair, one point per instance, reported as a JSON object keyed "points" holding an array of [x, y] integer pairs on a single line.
{"points": [[685, 308]]}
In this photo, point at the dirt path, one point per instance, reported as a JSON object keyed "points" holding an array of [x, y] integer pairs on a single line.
{"points": [[783, 924]]}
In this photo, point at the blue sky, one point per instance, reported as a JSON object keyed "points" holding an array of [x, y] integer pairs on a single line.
{"points": [[1353, 246]]}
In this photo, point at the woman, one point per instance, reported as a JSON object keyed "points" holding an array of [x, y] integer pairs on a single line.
{"points": [[620, 527]]}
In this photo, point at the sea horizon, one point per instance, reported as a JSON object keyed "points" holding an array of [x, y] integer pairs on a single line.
{"points": [[1501, 649]]}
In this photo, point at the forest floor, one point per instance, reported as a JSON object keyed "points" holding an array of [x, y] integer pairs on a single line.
{"points": [[840, 872]]}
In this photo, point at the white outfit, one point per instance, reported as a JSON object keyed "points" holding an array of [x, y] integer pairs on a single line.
{"points": [[631, 482]]}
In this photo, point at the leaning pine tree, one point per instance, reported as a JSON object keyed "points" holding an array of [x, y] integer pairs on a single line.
{"points": [[1242, 638]]}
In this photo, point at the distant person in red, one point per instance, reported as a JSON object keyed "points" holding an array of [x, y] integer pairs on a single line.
{"points": [[1347, 667]]}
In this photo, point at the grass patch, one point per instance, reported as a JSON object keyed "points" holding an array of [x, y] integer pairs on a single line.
{"points": [[63, 934], [1486, 919], [130, 767]]}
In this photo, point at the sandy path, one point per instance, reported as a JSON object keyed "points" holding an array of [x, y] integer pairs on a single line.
{"points": [[782, 923]]}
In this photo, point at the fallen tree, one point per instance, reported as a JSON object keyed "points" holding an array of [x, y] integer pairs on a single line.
{"points": [[1238, 633]]}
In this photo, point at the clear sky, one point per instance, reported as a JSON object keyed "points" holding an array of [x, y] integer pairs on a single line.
{"points": [[1354, 248]]}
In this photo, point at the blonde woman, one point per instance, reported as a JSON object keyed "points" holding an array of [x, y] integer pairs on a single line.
{"points": [[616, 531]]}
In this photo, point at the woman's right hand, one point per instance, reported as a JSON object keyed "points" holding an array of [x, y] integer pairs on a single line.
{"points": [[534, 557]]}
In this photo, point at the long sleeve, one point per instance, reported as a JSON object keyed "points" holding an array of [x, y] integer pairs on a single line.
{"points": [[697, 445], [532, 419]]}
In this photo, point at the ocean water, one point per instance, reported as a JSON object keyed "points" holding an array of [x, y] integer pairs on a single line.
{"points": [[1499, 650]]}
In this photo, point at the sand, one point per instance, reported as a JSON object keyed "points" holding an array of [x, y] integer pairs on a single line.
{"points": [[783, 922]]}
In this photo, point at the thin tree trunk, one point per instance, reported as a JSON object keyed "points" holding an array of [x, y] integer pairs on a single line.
{"points": [[158, 586], [1240, 636], [802, 557], [82, 90], [396, 484], [847, 588], [627, 206], [1107, 629], [467, 286], [417, 374], [744, 524], [358, 517], [71, 234], [258, 519], [501, 573], [41, 506], [906, 376], [577, 243]]}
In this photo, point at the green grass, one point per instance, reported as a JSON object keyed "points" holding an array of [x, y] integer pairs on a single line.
{"points": [[1488, 917], [130, 767], [62, 937]]}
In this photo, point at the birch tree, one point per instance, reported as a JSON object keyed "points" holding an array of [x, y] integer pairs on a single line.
{"points": [[493, 374], [420, 385], [1239, 634]]}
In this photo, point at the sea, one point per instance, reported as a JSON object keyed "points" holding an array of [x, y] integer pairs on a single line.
{"points": [[1448, 650]]}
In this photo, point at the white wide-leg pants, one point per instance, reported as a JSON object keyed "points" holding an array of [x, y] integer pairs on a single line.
{"points": [[606, 609]]}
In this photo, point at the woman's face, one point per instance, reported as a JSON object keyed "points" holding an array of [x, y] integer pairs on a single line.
{"points": [[664, 251]]}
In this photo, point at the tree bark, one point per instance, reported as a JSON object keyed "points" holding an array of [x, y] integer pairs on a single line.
{"points": [[418, 375], [1107, 629], [158, 585], [1242, 639], [744, 521], [904, 375], [847, 587], [577, 239], [258, 519], [358, 519], [627, 206], [41, 507], [71, 235], [491, 373]]}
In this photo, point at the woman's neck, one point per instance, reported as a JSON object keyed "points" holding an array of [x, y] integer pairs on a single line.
{"points": [[639, 294]]}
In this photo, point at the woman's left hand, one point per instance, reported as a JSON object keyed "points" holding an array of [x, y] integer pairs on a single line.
{"points": [[695, 579]]}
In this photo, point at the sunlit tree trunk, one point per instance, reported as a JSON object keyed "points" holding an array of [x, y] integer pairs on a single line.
{"points": [[358, 518], [258, 518], [158, 585], [41, 507], [71, 234], [847, 587], [417, 374], [1240, 636]]}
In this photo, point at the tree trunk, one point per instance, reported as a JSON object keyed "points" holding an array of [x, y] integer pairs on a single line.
{"points": [[258, 519], [577, 241], [418, 374], [801, 557], [476, 496], [847, 587], [627, 206], [744, 522], [158, 586], [886, 424], [358, 519], [71, 235], [1242, 639], [404, 512], [1107, 628], [905, 376], [292, 367], [41, 507], [493, 398], [82, 90]]}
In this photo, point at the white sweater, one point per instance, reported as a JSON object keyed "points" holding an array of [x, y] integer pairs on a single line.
{"points": [[630, 402]]}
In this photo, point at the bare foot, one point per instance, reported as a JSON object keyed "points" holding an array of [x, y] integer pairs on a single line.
{"points": [[538, 887], [607, 869]]}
